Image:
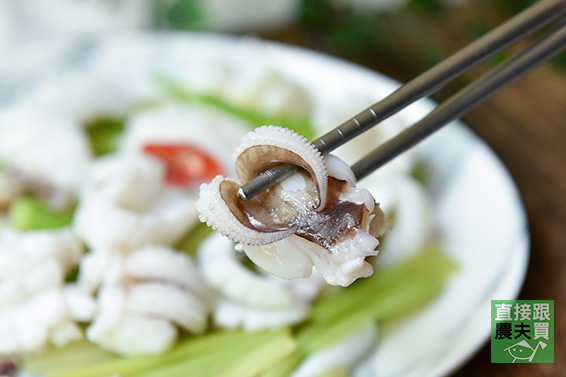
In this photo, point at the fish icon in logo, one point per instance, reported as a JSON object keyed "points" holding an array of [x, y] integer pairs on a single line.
{"points": [[524, 351]]}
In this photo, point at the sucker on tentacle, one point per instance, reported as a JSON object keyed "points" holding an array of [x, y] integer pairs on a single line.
{"points": [[280, 145]]}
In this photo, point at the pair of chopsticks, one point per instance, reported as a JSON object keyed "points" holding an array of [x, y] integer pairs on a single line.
{"points": [[538, 16]]}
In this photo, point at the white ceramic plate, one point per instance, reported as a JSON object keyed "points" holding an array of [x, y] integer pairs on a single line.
{"points": [[477, 208]]}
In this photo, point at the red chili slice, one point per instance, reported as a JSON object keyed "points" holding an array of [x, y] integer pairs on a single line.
{"points": [[186, 164]]}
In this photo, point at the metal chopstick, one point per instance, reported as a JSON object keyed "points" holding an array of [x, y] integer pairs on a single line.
{"points": [[523, 24], [467, 98]]}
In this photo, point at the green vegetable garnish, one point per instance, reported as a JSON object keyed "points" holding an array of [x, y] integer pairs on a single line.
{"points": [[286, 366], [32, 214], [388, 294], [190, 243], [247, 356], [104, 132], [226, 353], [55, 360], [131, 366]]}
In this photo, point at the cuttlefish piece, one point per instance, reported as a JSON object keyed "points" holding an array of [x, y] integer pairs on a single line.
{"points": [[318, 208], [270, 145], [247, 222]]}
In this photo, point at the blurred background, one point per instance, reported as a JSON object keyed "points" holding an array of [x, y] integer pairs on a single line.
{"points": [[525, 124]]}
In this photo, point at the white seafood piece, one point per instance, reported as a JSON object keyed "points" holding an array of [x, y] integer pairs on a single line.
{"points": [[223, 270], [80, 302], [181, 306], [42, 134], [20, 251], [127, 205], [66, 332], [286, 259], [346, 353], [92, 269], [146, 263], [166, 265], [249, 299], [34, 261], [306, 289], [14, 182], [125, 333], [232, 315], [74, 98], [266, 90], [33, 310], [273, 144], [19, 288], [175, 123], [32, 324], [344, 264], [137, 286], [321, 220], [213, 71], [45, 148]]}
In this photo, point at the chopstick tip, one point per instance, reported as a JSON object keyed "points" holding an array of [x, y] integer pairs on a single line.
{"points": [[242, 194]]}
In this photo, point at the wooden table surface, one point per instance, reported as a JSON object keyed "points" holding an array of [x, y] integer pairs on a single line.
{"points": [[525, 124]]}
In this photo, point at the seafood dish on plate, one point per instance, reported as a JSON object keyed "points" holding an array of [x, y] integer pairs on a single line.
{"points": [[125, 251]]}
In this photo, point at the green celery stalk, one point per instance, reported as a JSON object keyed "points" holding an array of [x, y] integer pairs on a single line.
{"points": [[407, 287], [286, 366], [430, 262], [56, 360], [221, 360], [31, 214], [263, 357], [300, 124], [403, 299], [130, 366]]}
